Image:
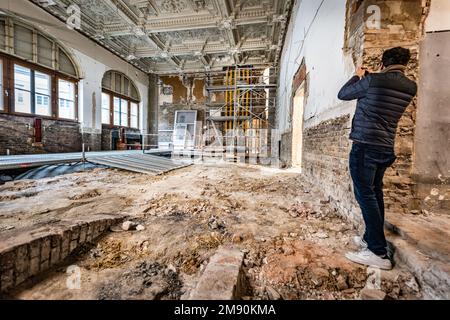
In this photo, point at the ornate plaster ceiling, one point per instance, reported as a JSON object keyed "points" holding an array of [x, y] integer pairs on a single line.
{"points": [[173, 36]]}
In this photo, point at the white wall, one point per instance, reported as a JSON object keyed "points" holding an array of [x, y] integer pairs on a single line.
{"points": [[316, 33], [439, 16], [92, 59]]}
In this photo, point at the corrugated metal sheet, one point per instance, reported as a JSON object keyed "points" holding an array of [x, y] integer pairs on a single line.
{"points": [[132, 160], [143, 163]]}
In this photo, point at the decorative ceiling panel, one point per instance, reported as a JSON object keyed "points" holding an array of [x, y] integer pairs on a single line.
{"points": [[177, 36]]}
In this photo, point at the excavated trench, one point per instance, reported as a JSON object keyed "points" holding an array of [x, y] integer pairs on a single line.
{"points": [[293, 241]]}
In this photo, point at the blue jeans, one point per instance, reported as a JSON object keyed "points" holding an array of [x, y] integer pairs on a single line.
{"points": [[368, 164]]}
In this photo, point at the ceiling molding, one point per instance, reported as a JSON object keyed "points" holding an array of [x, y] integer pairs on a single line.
{"points": [[161, 36]]}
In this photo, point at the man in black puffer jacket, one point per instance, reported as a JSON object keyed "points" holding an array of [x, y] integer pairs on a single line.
{"points": [[382, 99]]}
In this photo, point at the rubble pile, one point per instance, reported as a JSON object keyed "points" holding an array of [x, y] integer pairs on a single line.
{"points": [[146, 280]]}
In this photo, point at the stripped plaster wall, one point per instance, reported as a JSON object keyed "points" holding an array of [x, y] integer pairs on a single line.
{"points": [[316, 34], [332, 37], [431, 171], [187, 94]]}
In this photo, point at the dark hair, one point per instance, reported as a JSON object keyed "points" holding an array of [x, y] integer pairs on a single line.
{"points": [[396, 55]]}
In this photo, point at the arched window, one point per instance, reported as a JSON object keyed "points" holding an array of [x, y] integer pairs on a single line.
{"points": [[38, 76], [120, 100]]}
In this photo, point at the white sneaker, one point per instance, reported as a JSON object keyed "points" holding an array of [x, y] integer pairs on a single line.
{"points": [[368, 258], [359, 241]]}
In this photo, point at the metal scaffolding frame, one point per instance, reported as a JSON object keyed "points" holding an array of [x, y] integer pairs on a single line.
{"points": [[247, 101]]}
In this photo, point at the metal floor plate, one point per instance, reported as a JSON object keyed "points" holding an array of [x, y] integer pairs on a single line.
{"points": [[132, 160]]}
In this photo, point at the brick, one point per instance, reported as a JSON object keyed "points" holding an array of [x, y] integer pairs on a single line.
{"points": [[45, 249], [21, 277], [222, 278], [75, 233], [55, 255], [89, 234], [44, 265], [102, 226], [65, 244], [34, 266], [14, 127], [55, 241], [22, 259], [73, 245], [7, 260], [6, 279], [372, 294], [35, 248], [83, 233]]}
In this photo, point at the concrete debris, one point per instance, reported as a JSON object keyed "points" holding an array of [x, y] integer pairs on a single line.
{"points": [[300, 209], [412, 284], [140, 227], [215, 223], [293, 251], [272, 293], [146, 280], [237, 238], [321, 235], [129, 225], [372, 294], [342, 282]]}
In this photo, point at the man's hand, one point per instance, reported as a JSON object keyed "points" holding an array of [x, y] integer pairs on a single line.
{"points": [[361, 72]]}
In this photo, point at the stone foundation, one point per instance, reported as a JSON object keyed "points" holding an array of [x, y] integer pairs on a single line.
{"points": [[26, 254]]}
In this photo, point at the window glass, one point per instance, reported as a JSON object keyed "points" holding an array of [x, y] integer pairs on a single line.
{"points": [[124, 113], [66, 99], [134, 115], [105, 108], [22, 88], [42, 84], [116, 111]]}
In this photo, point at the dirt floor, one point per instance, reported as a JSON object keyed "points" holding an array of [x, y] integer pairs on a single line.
{"points": [[293, 242]]}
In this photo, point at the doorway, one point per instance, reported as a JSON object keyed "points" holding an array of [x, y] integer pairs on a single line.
{"points": [[297, 127]]}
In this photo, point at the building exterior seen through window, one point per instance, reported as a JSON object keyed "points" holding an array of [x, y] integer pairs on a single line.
{"points": [[120, 101], [38, 68]]}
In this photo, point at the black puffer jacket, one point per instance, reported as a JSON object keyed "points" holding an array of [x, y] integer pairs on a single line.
{"points": [[382, 100]]}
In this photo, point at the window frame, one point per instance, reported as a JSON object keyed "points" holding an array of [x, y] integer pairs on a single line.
{"points": [[75, 97], [110, 116], [9, 88], [131, 114], [129, 100]]}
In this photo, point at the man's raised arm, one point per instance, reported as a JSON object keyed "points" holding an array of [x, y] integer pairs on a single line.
{"points": [[355, 88]]}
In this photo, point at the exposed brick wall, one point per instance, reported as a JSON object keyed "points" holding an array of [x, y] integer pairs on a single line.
{"points": [[26, 254], [286, 149], [17, 135], [92, 141], [401, 25], [326, 149], [106, 137]]}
